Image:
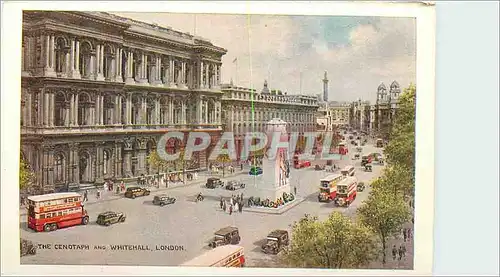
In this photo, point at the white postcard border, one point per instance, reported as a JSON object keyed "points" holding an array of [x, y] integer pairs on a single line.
{"points": [[10, 97]]}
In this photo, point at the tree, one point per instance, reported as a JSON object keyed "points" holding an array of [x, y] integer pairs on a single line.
{"points": [[158, 163], [401, 147], [223, 159], [26, 176], [336, 242], [385, 214], [397, 180]]}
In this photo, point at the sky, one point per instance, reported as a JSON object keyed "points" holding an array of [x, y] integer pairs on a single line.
{"points": [[293, 52]]}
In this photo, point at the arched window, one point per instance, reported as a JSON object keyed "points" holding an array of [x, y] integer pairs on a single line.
{"points": [[85, 60], [60, 110], [59, 168], [108, 67], [60, 55]]}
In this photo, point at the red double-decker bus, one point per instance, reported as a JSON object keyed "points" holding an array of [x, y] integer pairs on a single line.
{"points": [[48, 212]]}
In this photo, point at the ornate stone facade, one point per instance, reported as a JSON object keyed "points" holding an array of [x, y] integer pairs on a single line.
{"points": [[298, 110], [98, 91]]}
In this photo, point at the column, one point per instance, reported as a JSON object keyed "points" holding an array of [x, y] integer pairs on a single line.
{"points": [[216, 76], [207, 76], [206, 111], [183, 111], [52, 109], [76, 71], [127, 162], [144, 108], [46, 107], [183, 74], [67, 106], [72, 51], [201, 81], [118, 65], [98, 63], [101, 110], [52, 52], [158, 81], [48, 69], [75, 117], [171, 111], [97, 107]]}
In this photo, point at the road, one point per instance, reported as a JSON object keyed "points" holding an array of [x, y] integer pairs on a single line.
{"points": [[186, 223]]}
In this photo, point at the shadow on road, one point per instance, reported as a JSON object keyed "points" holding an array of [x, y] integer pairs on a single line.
{"points": [[148, 203], [259, 243], [24, 226], [256, 250]]}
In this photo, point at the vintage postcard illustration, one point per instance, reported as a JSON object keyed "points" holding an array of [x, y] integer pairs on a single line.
{"points": [[218, 140]]}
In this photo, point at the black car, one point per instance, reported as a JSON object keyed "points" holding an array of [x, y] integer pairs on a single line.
{"points": [[234, 185], [213, 183], [108, 218], [163, 200], [133, 192]]}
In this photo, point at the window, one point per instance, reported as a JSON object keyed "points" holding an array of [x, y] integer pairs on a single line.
{"points": [[59, 214], [49, 215]]}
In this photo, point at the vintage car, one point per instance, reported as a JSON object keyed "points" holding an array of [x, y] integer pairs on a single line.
{"points": [[319, 167], [360, 187], [224, 236], [255, 170], [234, 185], [276, 241], [356, 156], [359, 149], [133, 192], [163, 200], [214, 182], [368, 167], [108, 218], [27, 247]]}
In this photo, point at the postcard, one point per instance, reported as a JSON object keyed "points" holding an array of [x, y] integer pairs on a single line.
{"points": [[228, 138]]}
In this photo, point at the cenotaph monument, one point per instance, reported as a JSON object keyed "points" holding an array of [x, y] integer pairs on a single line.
{"points": [[275, 177]]}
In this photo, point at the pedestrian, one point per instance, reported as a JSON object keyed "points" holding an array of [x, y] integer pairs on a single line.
{"points": [[85, 196], [241, 197], [230, 209], [105, 186], [403, 249], [236, 206], [111, 186], [240, 207], [221, 203], [241, 166], [413, 220], [394, 252], [98, 194], [409, 233], [117, 190], [224, 206], [400, 253], [404, 234], [122, 186], [295, 190], [231, 200]]}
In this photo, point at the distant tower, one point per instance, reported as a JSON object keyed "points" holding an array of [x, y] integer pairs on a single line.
{"points": [[325, 88]]}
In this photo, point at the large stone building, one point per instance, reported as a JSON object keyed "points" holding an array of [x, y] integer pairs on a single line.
{"points": [[98, 91], [332, 115], [377, 119], [237, 104]]}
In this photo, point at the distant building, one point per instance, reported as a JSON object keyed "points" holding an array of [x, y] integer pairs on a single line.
{"points": [[325, 87]]}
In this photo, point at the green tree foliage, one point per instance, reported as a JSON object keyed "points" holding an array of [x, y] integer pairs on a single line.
{"points": [[384, 213], [401, 147], [334, 243], [26, 176], [397, 180], [223, 159]]}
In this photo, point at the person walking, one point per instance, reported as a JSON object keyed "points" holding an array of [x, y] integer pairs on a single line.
{"points": [[295, 190], [236, 206], [394, 252], [221, 203], [85, 196], [404, 234], [240, 207], [224, 206], [117, 190], [409, 233], [230, 209], [98, 194], [400, 253], [403, 249], [241, 166]]}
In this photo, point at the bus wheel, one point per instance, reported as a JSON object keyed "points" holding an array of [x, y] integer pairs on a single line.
{"points": [[54, 227], [85, 220], [47, 228]]}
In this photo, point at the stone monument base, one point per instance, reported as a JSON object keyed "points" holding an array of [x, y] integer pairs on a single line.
{"points": [[279, 210]]}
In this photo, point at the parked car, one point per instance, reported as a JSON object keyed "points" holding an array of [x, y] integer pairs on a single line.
{"points": [[234, 185], [214, 182], [276, 241], [109, 217], [255, 170], [27, 247], [133, 192], [163, 200], [224, 236]]}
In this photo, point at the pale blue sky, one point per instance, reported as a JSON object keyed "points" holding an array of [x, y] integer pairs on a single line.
{"points": [[357, 52]]}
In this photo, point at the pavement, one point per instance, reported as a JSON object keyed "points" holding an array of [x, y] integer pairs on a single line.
{"points": [[187, 224]]}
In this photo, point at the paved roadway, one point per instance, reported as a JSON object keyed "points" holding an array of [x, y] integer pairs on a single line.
{"points": [[185, 223]]}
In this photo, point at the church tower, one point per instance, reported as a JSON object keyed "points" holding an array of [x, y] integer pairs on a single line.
{"points": [[325, 88]]}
